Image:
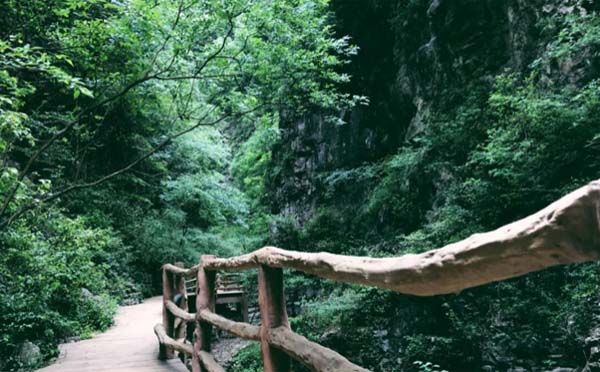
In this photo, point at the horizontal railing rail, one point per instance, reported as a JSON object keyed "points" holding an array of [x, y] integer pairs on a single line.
{"points": [[565, 232]]}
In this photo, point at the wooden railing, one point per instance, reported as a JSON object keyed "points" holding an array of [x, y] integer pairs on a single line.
{"points": [[567, 231]]}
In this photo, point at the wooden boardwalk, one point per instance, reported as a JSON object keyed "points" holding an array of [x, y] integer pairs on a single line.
{"points": [[130, 345]]}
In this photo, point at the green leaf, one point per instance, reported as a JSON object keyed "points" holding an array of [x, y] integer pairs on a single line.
{"points": [[85, 91]]}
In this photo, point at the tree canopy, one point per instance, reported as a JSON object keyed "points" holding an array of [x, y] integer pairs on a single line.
{"points": [[139, 132], [115, 127]]}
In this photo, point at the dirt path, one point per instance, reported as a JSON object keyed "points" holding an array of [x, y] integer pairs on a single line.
{"points": [[129, 346]]}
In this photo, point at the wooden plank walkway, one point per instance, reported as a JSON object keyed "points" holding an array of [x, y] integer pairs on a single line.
{"points": [[130, 345]]}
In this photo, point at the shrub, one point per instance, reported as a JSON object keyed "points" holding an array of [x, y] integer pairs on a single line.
{"points": [[53, 283]]}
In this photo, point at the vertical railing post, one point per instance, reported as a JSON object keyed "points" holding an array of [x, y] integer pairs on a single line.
{"points": [[168, 320], [205, 300], [180, 297], [245, 308], [273, 314]]}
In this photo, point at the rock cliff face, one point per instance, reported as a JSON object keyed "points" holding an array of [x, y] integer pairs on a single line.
{"points": [[418, 60], [415, 56]]}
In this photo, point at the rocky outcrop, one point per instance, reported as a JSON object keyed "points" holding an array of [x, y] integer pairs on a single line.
{"points": [[418, 59], [414, 58], [592, 345], [29, 355]]}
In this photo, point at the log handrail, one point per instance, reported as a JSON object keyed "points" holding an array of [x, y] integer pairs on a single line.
{"points": [[567, 231], [179, 312], [208, 361], [239, 329], [174, 269], [164, 339]]}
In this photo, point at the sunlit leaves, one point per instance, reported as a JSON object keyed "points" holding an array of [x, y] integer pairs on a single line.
{"points": [[252, 161], [96, 84]]}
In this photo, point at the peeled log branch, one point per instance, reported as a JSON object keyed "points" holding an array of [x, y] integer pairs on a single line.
{"points": [[313, 355], [241, 330], [209, 363], [567, 231], [179, 312], [244, 262], [163, 339], [181, 271]]}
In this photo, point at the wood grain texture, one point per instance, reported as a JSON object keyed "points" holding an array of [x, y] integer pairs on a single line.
{"points": [[179, 312], [567, 231], [207, 360], [241, 330], [311, 354], [179, 289], [168, 320], [209, 363], [187, 273], [273, 314], [205, 300], [164, 339]]}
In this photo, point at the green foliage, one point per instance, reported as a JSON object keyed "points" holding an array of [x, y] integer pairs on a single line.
{"points": [[114, 143], [251, 162], [54, 282], [428, 367], [572, 33], [247, 359], [323, 316], [493, 153], [135, 133]]}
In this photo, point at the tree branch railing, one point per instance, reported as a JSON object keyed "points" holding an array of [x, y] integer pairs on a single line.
{"points": [[567, 231]]}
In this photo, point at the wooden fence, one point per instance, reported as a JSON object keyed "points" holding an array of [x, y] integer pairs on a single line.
{"points": [[567, 231]]}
